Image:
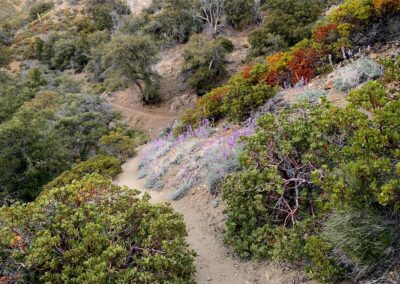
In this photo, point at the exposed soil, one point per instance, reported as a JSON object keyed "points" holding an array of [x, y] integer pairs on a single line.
{"points": [[151, 119], [214, 262]]}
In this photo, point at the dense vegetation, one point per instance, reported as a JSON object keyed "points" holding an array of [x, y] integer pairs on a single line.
{"points": [[204, 61], [317, 191], [312, 183], [92, 231], [307, 180], [332, 40]]}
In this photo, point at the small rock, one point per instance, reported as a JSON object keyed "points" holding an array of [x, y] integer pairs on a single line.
{"points": [[328, 85], [374, 56], [208, 278], [215, 203]]}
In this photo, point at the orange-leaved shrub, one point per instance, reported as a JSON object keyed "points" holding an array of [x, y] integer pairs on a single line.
{"points": [[383, 7]]}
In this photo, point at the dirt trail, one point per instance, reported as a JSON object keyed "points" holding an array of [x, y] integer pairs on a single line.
{"points": [[214, 262]]}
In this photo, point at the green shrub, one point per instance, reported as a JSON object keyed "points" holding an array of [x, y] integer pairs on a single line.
{"points": [[301, 165], [106, 166], [175, 22], [264, 43], [70, 53], [5, 55], [243, 98], [274, 188], [391, 69], [39, 8], [204, 61], [240, 13], [121, 144], [287, 23], [93, 231], [323, 266]]}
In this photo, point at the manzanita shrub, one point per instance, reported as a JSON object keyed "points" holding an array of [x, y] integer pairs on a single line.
{"points": [[306, 162], [91, 231]]}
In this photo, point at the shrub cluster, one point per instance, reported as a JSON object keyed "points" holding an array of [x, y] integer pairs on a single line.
{"points": [[240, 13], [93, 231], [39, 8], [330, 42], [106, 166], [300, 166], [46, 125], [236, 100], [287, 22], [204, 61]]}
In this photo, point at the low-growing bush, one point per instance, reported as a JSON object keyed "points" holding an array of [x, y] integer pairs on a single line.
{"points": [[356, 73], [121, 144], [90, 230], [322, 266], [302, 166], [243, 97], [287, 23], [5, 55], [362, 241], [39, 8], [106, 166]]}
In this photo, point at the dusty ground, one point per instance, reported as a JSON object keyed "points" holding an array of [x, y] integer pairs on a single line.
{"points": [[137, 6], [214, 263]]}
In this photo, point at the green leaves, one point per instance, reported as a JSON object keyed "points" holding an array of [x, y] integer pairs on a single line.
{"points": [[204, 61], [128, 60], [308, 160], [92, 231]]}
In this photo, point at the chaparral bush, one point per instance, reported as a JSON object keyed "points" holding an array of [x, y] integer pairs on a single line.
{"points": [[240, 13], [121, 143], [300, 166], [106, 166], [93, 231], [204, 61], [290, 20], [386, 6], [352, 75]]}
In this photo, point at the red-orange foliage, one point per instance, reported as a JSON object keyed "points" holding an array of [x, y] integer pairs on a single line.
{"points": [[272, 78], [217, 94], [386, 6], [303, 64], [246, 72], [326, 34]]}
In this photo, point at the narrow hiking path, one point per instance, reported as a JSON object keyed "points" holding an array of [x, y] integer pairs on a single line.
{"points": [[214, 263]]}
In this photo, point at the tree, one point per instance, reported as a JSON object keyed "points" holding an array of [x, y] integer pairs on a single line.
{"points": [[212, 12], [128, 60], [31, 154]]}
